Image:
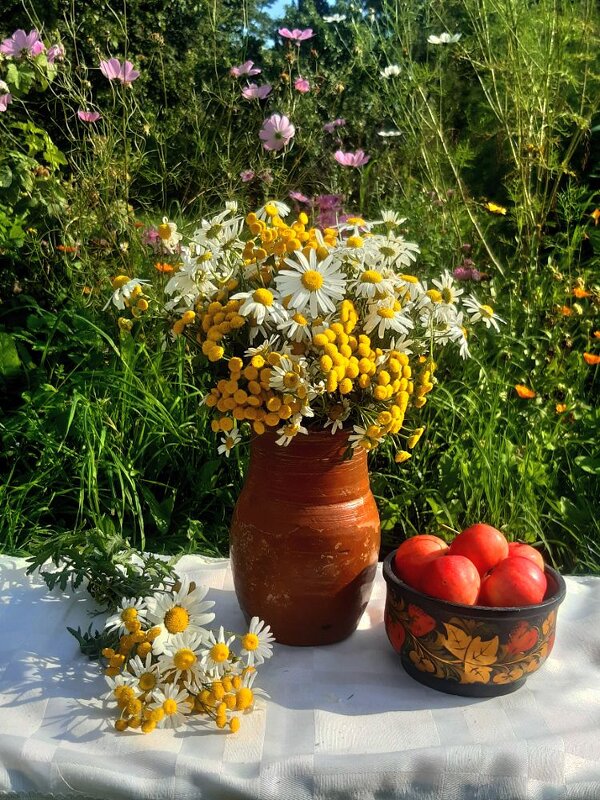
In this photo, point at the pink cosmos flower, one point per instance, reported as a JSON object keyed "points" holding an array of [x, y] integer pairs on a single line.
{"points": [[296, 35], [22, 44], [357, 159], [114, 70], [88, 116], [301, 85], [299, 197], [247, 175], [151, 238], [5, 99], [255, 92], [247, 68], [330, 127], [276, 132], [55, 53]]}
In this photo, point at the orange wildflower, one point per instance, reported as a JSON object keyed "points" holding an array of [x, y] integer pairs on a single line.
{"points": [[580, 292], [86, 290], [596, 334], [591, 359], [565, 311], [138, 224], [595, 215], [560, 408], [524, 391], [66, 248], [163, 267]]}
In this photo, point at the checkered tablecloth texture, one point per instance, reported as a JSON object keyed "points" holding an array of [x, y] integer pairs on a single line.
{"points": [[342, 721]]}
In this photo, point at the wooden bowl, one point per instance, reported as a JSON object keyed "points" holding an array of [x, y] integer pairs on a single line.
{"points": [[475, 651]]}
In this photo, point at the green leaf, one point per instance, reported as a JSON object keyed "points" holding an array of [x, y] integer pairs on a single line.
{"points": [[6, 176], [588, 464], [10, 363]]}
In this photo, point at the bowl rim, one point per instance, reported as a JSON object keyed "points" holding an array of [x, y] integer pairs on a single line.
{"points": [[554, 599]]}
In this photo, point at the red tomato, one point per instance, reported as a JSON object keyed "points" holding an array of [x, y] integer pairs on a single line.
{"points": [[526, 551], [483, 545], [453, 578], [413, 554], [516, 581]]}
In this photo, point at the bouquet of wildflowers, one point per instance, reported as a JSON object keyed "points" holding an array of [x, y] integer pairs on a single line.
{"points": [[306, 327], [167, 668]]}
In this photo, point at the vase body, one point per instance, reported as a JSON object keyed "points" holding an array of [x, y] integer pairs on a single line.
{"points": [[304, 538]]}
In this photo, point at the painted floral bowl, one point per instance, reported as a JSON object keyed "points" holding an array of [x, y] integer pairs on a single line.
{"points": [[469, 650]]}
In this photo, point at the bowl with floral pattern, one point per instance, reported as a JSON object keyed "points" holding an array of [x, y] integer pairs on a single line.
{"points": [[476, 651]]}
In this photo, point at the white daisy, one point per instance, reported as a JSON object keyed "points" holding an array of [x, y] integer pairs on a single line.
{"points": [[220, 232], [387, 315], [362, 437], [402, 345], [337, 414], [290, 430], [145, 674], [391, 71], [479, 312], [296, 328], [389, 133], [128, 611], [289, 376], [228, 442], [175, 703], [371, 284], [169, 235], [124, 292], [265, 212], [257, 643], [333, 18], [260, 305], [311, 283], [115, 687], [179, 611], [181, 658], [393, 249], [216, 655]]}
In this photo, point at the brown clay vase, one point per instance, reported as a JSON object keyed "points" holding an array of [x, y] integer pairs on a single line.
{"points": [[304, 538]]}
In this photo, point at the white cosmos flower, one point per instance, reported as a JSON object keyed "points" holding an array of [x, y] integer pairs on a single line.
{"points": [[182, 658], [444, 38], [291, 429], [387, 315], [216, 653], [179, 611], [228, 442], [479, 312], [391, 71], [257, 643], [175, 703], [128, 610], [315, 284], [261, 305], [146, 675]]}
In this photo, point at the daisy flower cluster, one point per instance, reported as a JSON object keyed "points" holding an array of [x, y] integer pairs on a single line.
{"points": [[168, 668], [314, 328]]}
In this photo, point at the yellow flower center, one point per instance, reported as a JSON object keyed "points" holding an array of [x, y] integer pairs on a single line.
{"points": [[229, 443], [355, 241], [129, 614], [184, 658], [164, 231], [176, 619], [312, 280], [119, 281], [434, 295], [291, 380], [300, 319], [219, 652], [386, 313], [409, 278], [355, 221], [271, 210], [487, 311], [169, 706], [147, 681], [263, 296], [371, 276], [250, 640]]}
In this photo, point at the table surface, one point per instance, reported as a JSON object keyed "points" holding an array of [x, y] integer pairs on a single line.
{"points": [[343, 721]]}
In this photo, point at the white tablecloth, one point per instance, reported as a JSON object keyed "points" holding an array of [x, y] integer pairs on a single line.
{"points": [[343, 721]]}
